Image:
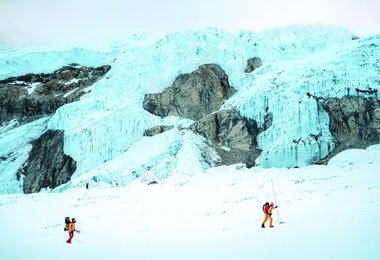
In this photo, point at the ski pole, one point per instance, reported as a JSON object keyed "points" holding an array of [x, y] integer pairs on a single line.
{"points": [[275, 201], [76, 238]]}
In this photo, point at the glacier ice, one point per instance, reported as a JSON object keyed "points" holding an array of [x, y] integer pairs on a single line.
{"points": [[15, 144], [109, 120]]}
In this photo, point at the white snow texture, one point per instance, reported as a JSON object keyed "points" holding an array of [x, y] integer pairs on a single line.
{"points": [[197, 211]]}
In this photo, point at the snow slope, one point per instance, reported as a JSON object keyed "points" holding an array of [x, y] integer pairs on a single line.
{"points": [[107, 124], [328, 212]]}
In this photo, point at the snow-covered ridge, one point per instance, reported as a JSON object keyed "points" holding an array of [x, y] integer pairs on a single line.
{"points": [[109, 120], [19, 62]]}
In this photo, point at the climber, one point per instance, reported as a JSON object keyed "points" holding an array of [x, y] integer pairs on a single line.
{"points": [[267, 209], [71, 229]]}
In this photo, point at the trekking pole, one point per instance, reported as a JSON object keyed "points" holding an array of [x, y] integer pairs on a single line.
{"points": [[76, 238], [275, 201]]}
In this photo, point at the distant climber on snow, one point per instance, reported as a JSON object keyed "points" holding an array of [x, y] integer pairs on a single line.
{"points": [[70, 227], [267, 209]]}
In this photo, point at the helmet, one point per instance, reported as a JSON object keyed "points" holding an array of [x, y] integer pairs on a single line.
{"points": [[73, 220], [271, 204]]}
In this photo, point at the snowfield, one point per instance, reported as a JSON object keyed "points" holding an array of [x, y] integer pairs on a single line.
{"points": [[326, 212], [196, 211]]}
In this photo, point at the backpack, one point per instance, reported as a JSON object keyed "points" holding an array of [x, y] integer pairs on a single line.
{"points": [[67, 222], [266, 207]]}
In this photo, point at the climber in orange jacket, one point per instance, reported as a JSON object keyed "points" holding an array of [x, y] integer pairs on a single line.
{"points": [[267, 208], [71, 229]]}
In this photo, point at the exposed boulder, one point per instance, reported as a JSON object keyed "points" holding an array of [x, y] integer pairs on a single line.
{"points": [[252, 64], [193, 95], [355, 37], [47, 165], [199, 96], [234, 137], [31, 96], [157, 130], [354, 122], [268, 119]]}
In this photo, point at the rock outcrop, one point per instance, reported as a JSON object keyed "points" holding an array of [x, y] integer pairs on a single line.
{"points": [[226, 128], [252, 64], [354, 122], [157, 130], [193, 95], [47, 165], [31, 96], [234, 137], [199, 96]]}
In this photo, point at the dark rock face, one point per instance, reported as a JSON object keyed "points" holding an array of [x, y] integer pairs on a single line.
{"points": [[268, 121], [47, 165], [354, 122], [252, 64], [157, 130], [227, 128], [31, 96], [234, 137], [192, 95], [199, 96]]}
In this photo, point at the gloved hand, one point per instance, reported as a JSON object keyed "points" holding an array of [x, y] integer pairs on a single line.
{"points": [[78, 231]]}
